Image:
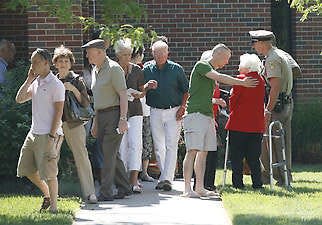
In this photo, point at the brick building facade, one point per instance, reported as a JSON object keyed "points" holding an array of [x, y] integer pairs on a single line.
{"points": [[192, 26]]}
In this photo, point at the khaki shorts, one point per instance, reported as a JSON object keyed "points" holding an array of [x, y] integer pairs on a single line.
{"points": [[199, 132], [37, 155]]}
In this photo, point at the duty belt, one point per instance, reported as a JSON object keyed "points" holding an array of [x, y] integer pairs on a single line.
{"points": [[285, 99]]}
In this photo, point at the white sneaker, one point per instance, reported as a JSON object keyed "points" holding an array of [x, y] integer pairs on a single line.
{"points": [[91, 199], [137, 189]]}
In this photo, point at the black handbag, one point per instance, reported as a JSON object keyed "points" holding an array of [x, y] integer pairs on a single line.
{"points": [[76, 111]]}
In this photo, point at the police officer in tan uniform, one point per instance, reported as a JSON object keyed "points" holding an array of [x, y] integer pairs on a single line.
{"points": [[280, 103]]}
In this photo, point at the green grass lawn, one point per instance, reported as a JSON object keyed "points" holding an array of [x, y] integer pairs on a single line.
{"points": [[20, 203], [16, 210], [302, 205]]}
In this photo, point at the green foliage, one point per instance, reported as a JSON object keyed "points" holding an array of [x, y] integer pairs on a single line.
{"points": [[60, 8], [15, 120], [112, 33], [306, 7], [114, 13], [307, 132]]}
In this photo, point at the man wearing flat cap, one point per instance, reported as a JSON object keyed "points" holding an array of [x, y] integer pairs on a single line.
{"points": [[280, 103], [110, 104]]}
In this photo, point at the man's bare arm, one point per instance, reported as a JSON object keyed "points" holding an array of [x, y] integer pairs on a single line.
{"points": [[275, 84], [58, 106], [223, 78]]}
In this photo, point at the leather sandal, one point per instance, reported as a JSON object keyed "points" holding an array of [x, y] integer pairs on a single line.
{"points": [[45, 204]]}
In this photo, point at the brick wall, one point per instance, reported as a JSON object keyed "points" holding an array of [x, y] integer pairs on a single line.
{"points": [[47, 32], [307, 48], [13, 27], [194, 26]]}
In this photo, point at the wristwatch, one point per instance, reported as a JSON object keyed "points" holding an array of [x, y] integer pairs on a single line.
{"points": [[51, 136], [124, 118]]}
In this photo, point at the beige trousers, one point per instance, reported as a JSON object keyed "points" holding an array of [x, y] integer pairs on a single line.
{"points": [[285, 117], [76, 140]]}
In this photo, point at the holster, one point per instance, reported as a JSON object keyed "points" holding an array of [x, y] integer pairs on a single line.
{"points": [[282, 100]]}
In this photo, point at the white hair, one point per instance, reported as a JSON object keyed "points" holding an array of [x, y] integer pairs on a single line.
{"points": [[159, 44], [251, 62], [206, 55], [123, 44]]}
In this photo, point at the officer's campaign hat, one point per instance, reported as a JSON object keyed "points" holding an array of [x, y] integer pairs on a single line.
{"points": [[261, 35], [96, 43]]}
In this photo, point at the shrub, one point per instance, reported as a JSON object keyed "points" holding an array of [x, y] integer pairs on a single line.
{"points": [[15, 120], [307, 132]]}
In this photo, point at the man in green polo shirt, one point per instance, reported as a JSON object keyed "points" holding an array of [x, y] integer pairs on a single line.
{"points": [[168, 104], [199, 127]]}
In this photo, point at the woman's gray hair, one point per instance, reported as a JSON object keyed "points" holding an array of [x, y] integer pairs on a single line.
{"points": [[251, 62], [123, 44]]}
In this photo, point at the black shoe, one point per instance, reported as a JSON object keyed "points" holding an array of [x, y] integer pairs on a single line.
{"points": [[160, 185], [257, 186], [102, 198], [241, 187], [119, 195], [45, 204], [167, 186], [211, 188]]}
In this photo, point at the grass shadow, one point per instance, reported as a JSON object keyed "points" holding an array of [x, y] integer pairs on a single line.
{"points": [[307, 181], [265, 191], [307, 168], [22, 186], [251, 219], [61, 218]]}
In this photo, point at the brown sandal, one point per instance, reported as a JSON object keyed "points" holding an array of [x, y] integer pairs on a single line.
{"points": [[45, 204]]}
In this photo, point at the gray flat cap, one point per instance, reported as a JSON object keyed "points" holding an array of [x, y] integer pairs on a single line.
{"points": [[96, 43], [261, 35]]}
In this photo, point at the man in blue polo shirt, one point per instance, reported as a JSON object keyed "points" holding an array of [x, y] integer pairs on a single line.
{"points": [[168, 104]]}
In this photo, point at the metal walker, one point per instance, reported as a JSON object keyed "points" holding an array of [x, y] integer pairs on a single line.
{"points": [[279, 134]]}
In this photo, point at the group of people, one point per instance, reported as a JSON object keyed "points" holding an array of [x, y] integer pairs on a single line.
{"points": [[120, 120]]}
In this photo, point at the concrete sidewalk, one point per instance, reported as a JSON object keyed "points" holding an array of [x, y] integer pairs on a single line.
{"points": [[155, 207]]}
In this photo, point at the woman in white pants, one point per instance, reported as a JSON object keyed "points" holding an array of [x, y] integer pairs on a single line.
{"points": [[131, 145]]}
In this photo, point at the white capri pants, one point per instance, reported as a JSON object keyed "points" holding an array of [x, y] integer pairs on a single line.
{"points": [[131, 145]]}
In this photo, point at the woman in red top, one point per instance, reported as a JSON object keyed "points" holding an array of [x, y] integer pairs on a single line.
{"points": [[246, 123]]}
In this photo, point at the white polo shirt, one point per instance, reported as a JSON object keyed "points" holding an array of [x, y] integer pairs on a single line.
{"points": [[45, 92]]}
